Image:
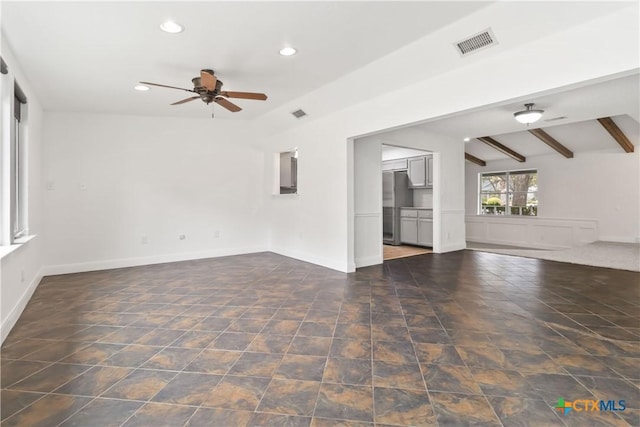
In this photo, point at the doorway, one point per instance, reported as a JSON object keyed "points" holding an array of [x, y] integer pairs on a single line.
{"points": [[390, 252], [407, 201]]}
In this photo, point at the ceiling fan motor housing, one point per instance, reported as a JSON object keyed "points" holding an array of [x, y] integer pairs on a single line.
{"points": [[199, 88]]}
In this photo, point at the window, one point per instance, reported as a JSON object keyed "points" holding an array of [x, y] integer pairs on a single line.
{"points": [[509, 193], [18, 167]]}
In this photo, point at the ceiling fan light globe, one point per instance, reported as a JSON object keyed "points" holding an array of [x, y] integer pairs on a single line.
{"points": [[529, 116]]}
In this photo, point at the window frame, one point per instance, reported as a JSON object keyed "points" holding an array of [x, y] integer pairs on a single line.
{"points": [[508, 194], [18, 177]]}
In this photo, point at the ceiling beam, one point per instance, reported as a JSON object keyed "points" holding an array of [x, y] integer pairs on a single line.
{"points": [[474, 159], [505, 150], [551, 142], [616, 133]]}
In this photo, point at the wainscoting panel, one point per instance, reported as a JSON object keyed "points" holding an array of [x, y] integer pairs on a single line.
{"points": [[451, 229], [543, 233], [368, 249]]}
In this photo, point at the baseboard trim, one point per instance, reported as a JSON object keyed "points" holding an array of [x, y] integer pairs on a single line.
{"points": [[452, 247], [323, 262], [51, 270], [351, 267], [519, 244], [12, 318], [619, 239], [367, 261]]}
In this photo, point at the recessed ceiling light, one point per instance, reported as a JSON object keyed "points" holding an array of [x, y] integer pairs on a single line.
{"points": [[171, 27], [141, 88], [467, 139], [287, 51]]}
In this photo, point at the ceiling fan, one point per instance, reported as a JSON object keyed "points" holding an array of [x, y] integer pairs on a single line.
{"points": [[209, 89]]}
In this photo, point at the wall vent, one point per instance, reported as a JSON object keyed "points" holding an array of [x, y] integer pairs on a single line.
{"points": [[479, 41], [298, 114]]}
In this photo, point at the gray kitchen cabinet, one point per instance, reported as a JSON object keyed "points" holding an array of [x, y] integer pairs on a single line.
{"points": [[409, 226], [420, 173], [398, 164], [409, 230], [417, 172], [416, 226], [425, 232]]}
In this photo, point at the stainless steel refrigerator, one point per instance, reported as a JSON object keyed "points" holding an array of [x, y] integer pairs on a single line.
{"points": [[395, 194]]}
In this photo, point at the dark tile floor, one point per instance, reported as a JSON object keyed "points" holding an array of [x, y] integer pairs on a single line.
{"points": [[465, 338]]}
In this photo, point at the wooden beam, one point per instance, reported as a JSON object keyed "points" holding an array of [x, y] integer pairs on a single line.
{"points": [[505, 150], [474, 159], [551, 142], [616, 133]]}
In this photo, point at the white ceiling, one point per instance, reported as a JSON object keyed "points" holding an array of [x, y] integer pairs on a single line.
{"points": [[87, 56]]}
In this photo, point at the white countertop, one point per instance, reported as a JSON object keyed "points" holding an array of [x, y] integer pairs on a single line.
{"points": [[415, 207]]}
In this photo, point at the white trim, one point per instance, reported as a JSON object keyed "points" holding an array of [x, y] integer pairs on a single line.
{"points": [[12, 318], [7, 250], [367, 261], [351, 267], [531, 232], [313, 259], [368, 215], [50, 270], [453, 247], [619, 239]]}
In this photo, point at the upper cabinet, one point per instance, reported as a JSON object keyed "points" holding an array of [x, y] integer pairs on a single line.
{"points": [[398, 164], [420, 172]]}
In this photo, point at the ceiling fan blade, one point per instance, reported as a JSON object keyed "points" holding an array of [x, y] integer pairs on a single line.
{"points": [[170, 87], [227, 104], [186, 100], [245, 95], [208, 80]]}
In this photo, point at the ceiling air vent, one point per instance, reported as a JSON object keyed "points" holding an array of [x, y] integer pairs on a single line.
{"points": [[298, 114], [476, 42]]}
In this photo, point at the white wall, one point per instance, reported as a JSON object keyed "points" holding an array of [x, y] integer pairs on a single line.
{"points": [[598, 185], [367, 170], [319, 226], [20, 265], [113, 181], [312, 224]]}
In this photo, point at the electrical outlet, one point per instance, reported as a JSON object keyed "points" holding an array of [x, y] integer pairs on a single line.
{"points": [[182, 236], [83, 186], [51, 185], [21, 276], [216, 234], [144, 239]]}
